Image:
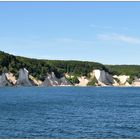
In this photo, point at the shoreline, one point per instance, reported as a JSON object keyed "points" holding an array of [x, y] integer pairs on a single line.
{"points": [[70, 87]]}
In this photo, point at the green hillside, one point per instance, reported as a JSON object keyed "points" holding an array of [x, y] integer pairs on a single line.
{"points": [[38, 68], [132, 70]]}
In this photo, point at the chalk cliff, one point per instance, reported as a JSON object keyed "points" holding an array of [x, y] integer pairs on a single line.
{"points": [[83, 81], [4, 81], [11, 78], [79, 73], [64, 82], [35, 81], [122, 79], [23, 79], [52, 80], [96, 78], [103, 78]]}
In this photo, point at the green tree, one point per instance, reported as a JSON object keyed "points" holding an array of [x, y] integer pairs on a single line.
{"points": [[92, 82], [74, 80]]}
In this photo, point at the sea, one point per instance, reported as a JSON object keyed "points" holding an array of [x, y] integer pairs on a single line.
{"points": [[70, 112]]}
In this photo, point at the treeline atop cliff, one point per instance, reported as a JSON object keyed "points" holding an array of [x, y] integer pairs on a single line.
{"points": [[38, 68], [132, 70]]}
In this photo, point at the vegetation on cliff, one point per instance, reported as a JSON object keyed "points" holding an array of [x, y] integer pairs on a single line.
{"points": [[38, 68], [73, 80], [92, 82], [131, 70]]}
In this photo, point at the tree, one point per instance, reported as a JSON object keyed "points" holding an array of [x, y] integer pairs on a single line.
{"points": [[92, 82], [74, 80], [5, 70]]}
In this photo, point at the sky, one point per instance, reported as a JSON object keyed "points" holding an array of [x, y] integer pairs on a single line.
{"points": [[105, 32]]}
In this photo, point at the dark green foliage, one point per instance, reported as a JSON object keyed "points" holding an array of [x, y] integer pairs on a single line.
{"points": [[132, 70], [74, 80], [117, 80], [131, 79], [4, 70], [92, 82], [39, 68], [75, 67]]}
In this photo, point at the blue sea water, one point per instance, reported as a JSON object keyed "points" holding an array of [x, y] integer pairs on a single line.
{"points": [[69, 112]]}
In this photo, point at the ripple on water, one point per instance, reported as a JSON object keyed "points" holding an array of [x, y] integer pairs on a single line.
{"points": [[69, 112]]}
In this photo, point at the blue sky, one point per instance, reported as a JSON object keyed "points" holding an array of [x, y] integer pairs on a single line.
{"points": [[105, 32]]}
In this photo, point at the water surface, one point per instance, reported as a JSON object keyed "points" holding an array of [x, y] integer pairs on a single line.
{"points": [[69, 112]]}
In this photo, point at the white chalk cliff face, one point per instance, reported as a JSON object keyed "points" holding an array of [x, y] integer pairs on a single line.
{"points": [[52, 80], [35, 81], [11, 78], [122, 79], [83, 81], [4, 81], [23, 79], [103, 78]]}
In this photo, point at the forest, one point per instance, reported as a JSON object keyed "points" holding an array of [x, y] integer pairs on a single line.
{"points": [[40, 67]]}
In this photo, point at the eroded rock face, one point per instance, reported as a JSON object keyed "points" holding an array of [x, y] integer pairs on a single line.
{"points": [[23, 79], [122, 79], [83, 81], [35, 81], [103, 77], [52, 80], [64, 82], [11, 78], [4, 81]]}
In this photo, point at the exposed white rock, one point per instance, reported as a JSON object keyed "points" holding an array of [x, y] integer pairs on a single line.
{"points": [[51, 80], [10, 77], [68, 75], [103, 78], [35, 81], [127, 84], [122, 79], [83, 81], [23, 79], [64, 82], [116, 83], [136, 82], [4, 81]]}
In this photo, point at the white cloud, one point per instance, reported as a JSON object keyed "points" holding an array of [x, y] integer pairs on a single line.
{"points": [[119, 37]]}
